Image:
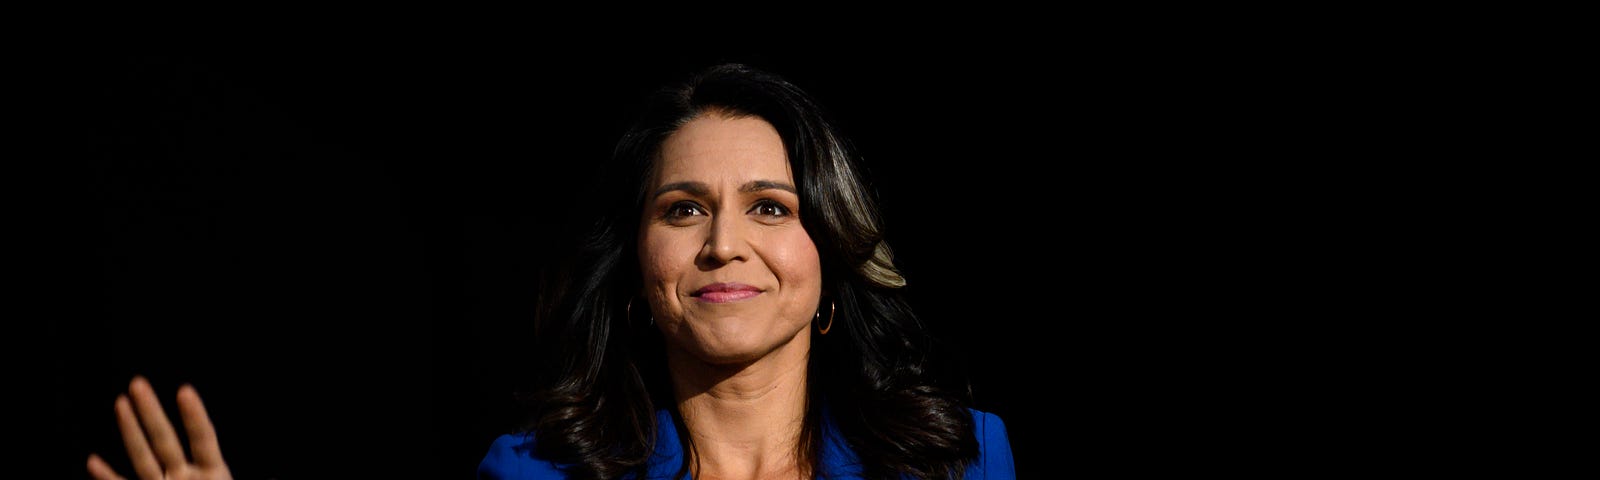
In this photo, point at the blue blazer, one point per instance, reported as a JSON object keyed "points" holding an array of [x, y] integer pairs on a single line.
{"points": [[511, 455]]}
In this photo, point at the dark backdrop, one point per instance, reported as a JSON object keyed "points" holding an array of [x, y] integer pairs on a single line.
{"points": [[338, 241]]}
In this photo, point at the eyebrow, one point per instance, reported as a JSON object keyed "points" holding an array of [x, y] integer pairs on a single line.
{"points": [[700, 189]]}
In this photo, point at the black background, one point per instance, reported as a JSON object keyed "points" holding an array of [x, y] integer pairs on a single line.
{"points": [[338, 241]]}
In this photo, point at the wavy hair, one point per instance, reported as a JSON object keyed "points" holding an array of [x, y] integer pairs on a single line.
{"points": [[600, 376]]}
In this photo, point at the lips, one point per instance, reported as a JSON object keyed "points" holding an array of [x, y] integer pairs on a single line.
{"points": [[725, 292]]}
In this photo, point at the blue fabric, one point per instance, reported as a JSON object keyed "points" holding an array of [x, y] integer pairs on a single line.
{"points": [[510, 457]]}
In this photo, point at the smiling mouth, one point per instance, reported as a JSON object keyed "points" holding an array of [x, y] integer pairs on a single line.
{"points": [[725, 292]]}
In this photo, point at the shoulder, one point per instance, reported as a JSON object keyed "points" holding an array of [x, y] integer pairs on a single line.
{"points": [[994, 448], [988, 426], [511, 457]]}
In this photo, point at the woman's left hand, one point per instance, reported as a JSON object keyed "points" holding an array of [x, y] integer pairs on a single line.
{"points": [[153, 444]]}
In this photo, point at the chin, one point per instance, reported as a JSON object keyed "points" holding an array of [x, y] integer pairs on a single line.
{"points": [[730, 354], [729, 360], [732, 342]]}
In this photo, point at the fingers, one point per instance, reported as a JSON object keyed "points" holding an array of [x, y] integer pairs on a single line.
{"points": [[202, 435], [100, 470], [144, 461], [162, 437]]}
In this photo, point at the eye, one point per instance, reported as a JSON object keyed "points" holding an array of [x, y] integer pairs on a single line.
{"points": [[770, 208], [684, 209]]}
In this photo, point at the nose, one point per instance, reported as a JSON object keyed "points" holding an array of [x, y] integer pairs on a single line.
{"points": [[726, 242]]}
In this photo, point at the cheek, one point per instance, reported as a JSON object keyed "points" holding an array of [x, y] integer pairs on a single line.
{"points": [[651, 261], [796, 261], [661, 258]]}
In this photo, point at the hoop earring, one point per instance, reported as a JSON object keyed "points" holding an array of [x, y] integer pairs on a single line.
{"points": [[832, 309]]}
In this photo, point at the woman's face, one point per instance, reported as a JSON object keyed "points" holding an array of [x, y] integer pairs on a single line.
{"points": [[730, 273]]}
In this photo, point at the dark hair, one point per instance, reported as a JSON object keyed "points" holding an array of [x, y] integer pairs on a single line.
{"points": [[600, 384]]}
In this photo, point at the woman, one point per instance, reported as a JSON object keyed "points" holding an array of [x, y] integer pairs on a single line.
{"points": [[737, 314]]}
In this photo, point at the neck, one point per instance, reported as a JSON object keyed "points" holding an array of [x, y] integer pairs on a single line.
{"points": [[745, 420]]}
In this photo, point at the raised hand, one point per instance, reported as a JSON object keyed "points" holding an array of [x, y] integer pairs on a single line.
{"points": [[153, 444]]}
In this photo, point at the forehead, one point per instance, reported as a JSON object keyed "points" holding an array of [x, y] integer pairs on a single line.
{"points": [[715, 146]]}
